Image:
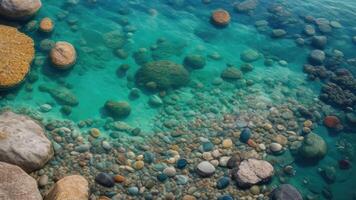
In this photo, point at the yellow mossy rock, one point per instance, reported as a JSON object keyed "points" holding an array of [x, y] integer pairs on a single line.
{"points": [[16, 54]]}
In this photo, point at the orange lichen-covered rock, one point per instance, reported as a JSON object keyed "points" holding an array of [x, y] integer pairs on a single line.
{"points": [[46, 25], [16, 54], [220, 17]]}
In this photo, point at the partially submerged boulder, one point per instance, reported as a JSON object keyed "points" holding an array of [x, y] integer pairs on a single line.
{"points": [[16, 54], [23, 142], [15, 184], [70, 187], [19, 9]]}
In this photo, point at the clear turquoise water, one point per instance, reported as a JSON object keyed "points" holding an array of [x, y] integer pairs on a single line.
{"points": [[93, 80]]}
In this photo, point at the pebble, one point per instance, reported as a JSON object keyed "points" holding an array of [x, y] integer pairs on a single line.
{"points": [[223, 161], [227, 143], [105, 179], [162, 177], [95, 133], [245, 135], [205, 169], [223, 183], [45, 108], [106, 145], [182, 179], [119, 178], [275, 147], [133, 190], [262, 146], [169, 171], [148, 157], [43, 181], [189, 197], [181, 163], [82, 148], [138, 165], [207, 146], [225, 197], [255, 190]]}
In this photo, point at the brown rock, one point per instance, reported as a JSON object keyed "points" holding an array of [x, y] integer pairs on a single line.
{"points": [[69, 188], [63, 55], [46, 25], [220, 17], [15, 184]]}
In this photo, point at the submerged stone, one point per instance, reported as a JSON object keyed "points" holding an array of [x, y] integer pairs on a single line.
{"points": [[63, 55], [231, 73], [220, 18], [245, 135], [118, 109], [249, 55], [223, 183], [285, 192], [205, 169], [194, 61], [165, 74], [313, 147], [105, 179], [253, 171]]}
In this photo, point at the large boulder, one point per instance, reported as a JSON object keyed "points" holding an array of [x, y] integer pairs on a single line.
{"points": [[313, 147], [16, 54], [23, 142], [164, 74], [285, 192], [19, 9], [253, 171], [15, 184], [70, 187]]}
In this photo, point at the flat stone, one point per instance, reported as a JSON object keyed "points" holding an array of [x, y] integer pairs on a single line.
{"points": [[205, 169], [253, 171]]}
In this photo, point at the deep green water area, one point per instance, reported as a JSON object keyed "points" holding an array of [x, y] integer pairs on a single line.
{"points": [[98, 28]]}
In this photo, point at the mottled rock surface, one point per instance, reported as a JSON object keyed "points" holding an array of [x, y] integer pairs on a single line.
{"points": [[19, 9], [15, 184], [23, 142]]}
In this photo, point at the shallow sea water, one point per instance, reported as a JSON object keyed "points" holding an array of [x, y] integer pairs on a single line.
{"points": [[187, 28]]}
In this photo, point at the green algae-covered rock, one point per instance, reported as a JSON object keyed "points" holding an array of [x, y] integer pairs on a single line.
{"points": [[61, 94], [164, 74], [313, 147], [194, 61], [118, 109], [231, 73]]}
